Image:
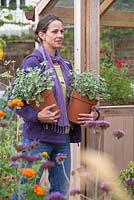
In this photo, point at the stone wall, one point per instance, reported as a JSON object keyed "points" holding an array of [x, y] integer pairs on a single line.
{"points": [[14, 51]]}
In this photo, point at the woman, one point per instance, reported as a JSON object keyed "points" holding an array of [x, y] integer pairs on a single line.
{"points": [[58, 135]]}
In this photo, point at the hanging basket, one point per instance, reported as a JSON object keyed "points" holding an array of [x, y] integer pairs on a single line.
{"points": [[49, 99], [79, 104]]}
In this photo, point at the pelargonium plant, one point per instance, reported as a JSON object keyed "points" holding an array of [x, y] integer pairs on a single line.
{"points": [[120, 85]]}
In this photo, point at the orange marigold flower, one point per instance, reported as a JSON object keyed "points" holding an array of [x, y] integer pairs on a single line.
{"points": [[38, 190], [15, 102], [28, 172], [2, 113]]}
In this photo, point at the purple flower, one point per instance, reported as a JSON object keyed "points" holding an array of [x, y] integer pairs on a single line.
{"points": [[118, 133], [19, 147], [74, 192], [14, 164], [60, 158], [33, 144], [47, 164], [97, 124], [105, 186], [129, 181], [83, 172], [90, 124], [103, 124], [55, 196], [31, 158], [2, 124], [16, 157]]}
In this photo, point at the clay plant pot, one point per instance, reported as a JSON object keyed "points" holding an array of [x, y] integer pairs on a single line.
{"points": [[30, 15], [49, 99], [79, 104]]}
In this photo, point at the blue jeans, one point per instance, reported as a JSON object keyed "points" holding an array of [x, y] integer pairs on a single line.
{"points": [[57, 179]]}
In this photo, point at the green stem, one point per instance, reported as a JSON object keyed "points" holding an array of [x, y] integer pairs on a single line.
{"points": [[12, 115], [96, 178], [19, 190], [101, 196], [65, 173], [18, 128], [85, 197]]}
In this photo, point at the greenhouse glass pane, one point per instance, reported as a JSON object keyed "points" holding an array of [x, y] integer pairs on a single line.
{"points": [[127, 5], [63, 3]]}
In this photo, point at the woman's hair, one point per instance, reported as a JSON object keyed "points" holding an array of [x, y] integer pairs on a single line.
{"points": [[43, 25]]}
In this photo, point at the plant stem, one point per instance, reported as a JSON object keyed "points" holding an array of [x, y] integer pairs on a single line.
{"points": [[18, 128], [101, 196], [85, 197], [96, 178], [65, 173], [19, 190], [12, 116]]}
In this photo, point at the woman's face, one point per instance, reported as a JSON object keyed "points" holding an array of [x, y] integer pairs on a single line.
{"points": [[54, 36]]}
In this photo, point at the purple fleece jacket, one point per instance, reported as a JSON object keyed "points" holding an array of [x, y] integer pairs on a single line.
{"points": [[32, 128]]}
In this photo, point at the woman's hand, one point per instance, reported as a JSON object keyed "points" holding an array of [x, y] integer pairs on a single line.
{"points": [[93, 115], [46, 116]]}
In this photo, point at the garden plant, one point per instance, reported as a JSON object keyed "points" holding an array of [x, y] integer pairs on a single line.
{"points": [[19, 178], [120, 85]]}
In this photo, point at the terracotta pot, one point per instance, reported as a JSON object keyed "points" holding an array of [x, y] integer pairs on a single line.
{"points": [[30, 15], [79, 104], [49, 99]]}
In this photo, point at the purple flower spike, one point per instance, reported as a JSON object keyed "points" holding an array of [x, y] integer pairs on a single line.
{"points": [[90, 124], [14, 164], [129, 181], [47, 164], [2, 124], [16, 157], [118, 133], [31, 158], [19, 147], [105, 186], [60, 158], [74, 192], [103, 124], [55, 196], [98, 124]]}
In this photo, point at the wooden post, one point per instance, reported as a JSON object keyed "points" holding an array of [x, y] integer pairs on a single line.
{"points": [[92, 29], [75, 149], [105, 5], [77, 35], [92, 34]]}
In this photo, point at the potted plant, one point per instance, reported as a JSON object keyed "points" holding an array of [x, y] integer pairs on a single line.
{"points": [[29, 12], [34, 86], [86, 89]]}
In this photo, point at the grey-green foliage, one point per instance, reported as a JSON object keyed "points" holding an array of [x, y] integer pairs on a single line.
{"points": [[89, 84], [31, 82]]}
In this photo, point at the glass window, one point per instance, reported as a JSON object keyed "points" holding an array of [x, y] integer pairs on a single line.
{"points": [[3, 2]]}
